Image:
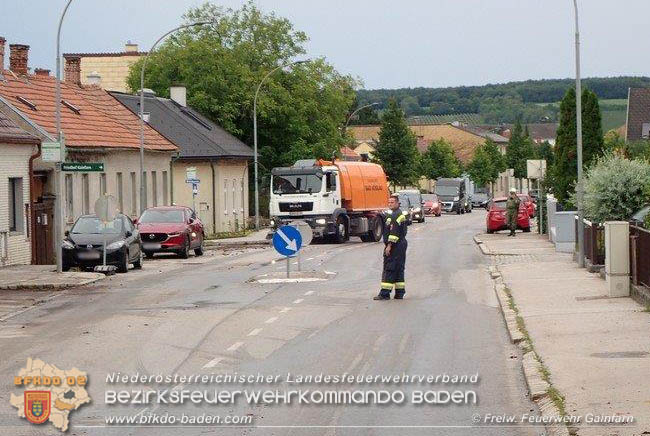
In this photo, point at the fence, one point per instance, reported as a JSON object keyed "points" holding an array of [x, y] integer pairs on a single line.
{"points": [[594, 238], [640, 256]]}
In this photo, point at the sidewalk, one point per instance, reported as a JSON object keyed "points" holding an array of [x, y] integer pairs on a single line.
{"points": [[41, 277], [255, 238], [596, 348]]}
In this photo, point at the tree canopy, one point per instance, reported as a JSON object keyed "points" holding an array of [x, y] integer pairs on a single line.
{"points": [[439, 160], [486, 164]]}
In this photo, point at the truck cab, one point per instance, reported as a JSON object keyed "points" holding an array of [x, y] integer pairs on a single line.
{"points": [[453, 195]]}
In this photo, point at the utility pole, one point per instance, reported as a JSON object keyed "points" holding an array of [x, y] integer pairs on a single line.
{"points": [[581, 225]]}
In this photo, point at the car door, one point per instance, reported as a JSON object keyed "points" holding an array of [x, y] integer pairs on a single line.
{"points": [[132, 239], [194, 228]]}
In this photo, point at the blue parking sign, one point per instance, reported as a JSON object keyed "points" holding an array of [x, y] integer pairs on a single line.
{"points": [[287, 240]]}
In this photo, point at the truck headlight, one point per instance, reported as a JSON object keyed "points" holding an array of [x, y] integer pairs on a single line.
{"points": [[272, 222], [456, 198], [321, 221], [417, 209], [115, 245]]}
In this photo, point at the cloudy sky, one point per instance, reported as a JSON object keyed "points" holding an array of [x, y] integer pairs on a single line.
{"points": [[387, 44]]}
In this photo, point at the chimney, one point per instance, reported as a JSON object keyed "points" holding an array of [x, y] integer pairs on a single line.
{"points": [[42, 72], [2, 53], [178, 93], [129, 47], [18, 55], [73, 70], [94, 79]]}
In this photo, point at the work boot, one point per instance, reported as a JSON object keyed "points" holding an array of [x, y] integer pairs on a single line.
{"points": [[399, 295], [381, 297]]}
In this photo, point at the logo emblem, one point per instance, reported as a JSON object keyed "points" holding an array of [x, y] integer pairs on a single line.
{"points": [[37, 406], [152, 236], [89, 246]]}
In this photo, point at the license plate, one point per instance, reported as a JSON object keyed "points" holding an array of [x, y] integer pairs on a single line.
{"points": [[88, 255], [295, 213], [150, 246]]}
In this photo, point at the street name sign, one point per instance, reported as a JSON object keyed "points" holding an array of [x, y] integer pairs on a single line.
{"points": [[82, 167], [287, 240]]}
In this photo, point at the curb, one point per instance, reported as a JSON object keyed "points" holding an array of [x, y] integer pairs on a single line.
{"points": [[484, 249], [48, 286], [221, 244], [537, 387]]}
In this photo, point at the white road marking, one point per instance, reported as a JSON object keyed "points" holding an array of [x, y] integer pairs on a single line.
{"points": [[308, 293], [213, 362], [310, 258], [235, 346], [271, 320], [285, 309], [255, 332], [298, 301]]}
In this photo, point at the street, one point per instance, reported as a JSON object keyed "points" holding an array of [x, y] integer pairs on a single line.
{"points": [[203, 316]]}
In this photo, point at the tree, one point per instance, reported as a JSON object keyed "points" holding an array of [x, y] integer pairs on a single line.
{"points": [[300, 110], [487, 163], [396, 149], [565, 172], [545, 152], [519, 149], [439, 160]]}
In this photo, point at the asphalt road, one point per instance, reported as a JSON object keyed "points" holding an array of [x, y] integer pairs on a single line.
{"points": [[205, 316]]}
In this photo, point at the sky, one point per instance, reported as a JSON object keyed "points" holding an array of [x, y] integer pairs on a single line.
{"points": [[386, 44]]}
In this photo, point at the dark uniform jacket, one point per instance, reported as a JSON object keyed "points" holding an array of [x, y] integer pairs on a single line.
{"points": [[395, 228]]}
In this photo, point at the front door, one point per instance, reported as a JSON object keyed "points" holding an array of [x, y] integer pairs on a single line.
{"points": [[43, 216]]}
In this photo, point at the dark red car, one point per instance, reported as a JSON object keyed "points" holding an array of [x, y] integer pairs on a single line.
{"points": [[431, 205], [528, 201], [496, 220], [174, 229]]}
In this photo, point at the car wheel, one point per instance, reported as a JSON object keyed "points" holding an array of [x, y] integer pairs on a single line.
{"points": [[124, 263], [148, 254], [490, 231], [137, 264], [185, 252], [341, 234], [199, 250], [65, 267]]}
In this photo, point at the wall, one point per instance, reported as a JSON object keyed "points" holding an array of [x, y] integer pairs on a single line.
{"points": [[14, 163], [113, 70]]}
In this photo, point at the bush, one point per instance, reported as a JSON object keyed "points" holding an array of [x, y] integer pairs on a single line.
{"points": [[614, 188]]}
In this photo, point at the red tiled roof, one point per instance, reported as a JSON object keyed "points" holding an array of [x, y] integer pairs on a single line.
{"points": [[10, 133], [348, 152], [102, 121]]}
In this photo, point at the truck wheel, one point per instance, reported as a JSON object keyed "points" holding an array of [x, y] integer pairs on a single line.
{"points": [[341, 234], [375, 232]]}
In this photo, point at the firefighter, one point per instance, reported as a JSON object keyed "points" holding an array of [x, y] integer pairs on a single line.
{"points": [[394, 252], [512, 210]]}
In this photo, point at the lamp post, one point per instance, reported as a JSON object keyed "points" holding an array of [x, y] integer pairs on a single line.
{"points": [[257, 91], [144, 63], [581, 235], [58, 186], [353, 113]]}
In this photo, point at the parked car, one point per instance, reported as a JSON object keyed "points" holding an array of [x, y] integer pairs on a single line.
{"points": [[496, 220], [174, 229], [406, 206], [480, 199], [431, 205], [453, 195], [527, 200], [417, 202], [83, 245]]}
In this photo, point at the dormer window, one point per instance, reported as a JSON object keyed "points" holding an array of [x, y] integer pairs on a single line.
{"points": [[72, 107], [26, 102]]}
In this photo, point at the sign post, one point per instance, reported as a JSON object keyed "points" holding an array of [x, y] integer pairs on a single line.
{"points": [[287, 241], [307, 235], [536, 169], [105, 209]]}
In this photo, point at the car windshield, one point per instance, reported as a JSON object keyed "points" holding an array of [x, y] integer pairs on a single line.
{"points": [[404, 202], [298, 183], [499, 205], [446, 190], [92, 225], [430, 197], [480, 196], [167, 216], [414, 199]]}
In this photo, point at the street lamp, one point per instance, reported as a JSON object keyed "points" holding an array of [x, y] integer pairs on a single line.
{"points": [[144, 63], [257, 192], [357, 110], [58, 203], [581, 236]]}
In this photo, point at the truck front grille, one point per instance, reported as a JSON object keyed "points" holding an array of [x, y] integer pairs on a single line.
{"points": [[303, 206]]}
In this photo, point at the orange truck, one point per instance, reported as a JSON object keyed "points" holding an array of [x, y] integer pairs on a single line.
{"points": [[337, 199]]}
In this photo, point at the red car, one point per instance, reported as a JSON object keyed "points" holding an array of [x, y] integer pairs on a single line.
{"points": [[528, 201], [174, 229], [431, 205], [496, 220]]}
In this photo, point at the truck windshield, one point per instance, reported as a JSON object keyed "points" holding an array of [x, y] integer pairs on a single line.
{"points": [[446, 190], [297, 183]]}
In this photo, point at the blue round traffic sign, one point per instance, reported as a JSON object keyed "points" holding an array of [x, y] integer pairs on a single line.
{"points": [[287, 240]]}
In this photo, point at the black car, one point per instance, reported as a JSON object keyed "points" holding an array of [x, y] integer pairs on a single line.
{"points": [[416, 202], [83, 245], [480, 199]]}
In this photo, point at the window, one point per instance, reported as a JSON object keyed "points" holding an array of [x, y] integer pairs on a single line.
{"points": [[164, 188], [144, 183], [120, 193], [134, 195], [154, 188], [225, 196], [85, 193], [69, 209], [16, 204], [102, 183], [234, 195]]}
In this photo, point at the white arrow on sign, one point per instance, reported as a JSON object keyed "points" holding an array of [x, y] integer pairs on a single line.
{"points": [[291, 243]]}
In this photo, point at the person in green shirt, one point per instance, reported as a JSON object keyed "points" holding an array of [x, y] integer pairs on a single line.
{"points": [[512, 210]]}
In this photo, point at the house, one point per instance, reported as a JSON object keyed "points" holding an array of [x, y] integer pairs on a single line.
{"points": [[365, 149], [18, 149], [638, 115], [539, 132], [113, 68], [96, 128], [207, 152], [349, 154]]}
